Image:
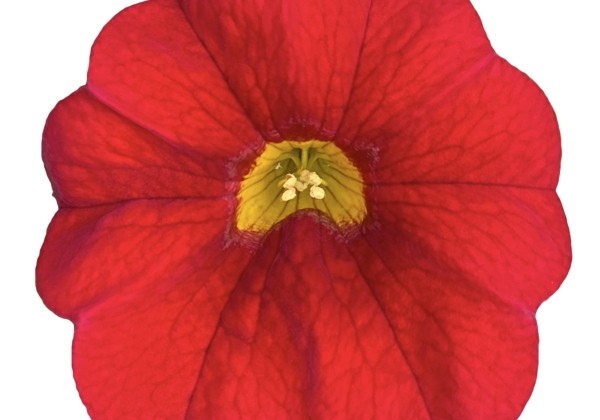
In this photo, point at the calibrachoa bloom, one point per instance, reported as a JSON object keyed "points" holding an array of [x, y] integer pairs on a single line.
{"points": [[303, 209]]}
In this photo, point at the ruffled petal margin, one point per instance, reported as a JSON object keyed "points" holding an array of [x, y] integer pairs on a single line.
{"points": [[427, 312]]}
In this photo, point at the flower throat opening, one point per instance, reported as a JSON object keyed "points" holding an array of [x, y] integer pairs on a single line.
{"points": [[300, 175]]}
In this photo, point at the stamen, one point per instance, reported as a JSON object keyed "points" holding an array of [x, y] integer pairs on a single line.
{"points": [[305, 179], [290, 182], [288, 194], [317, 192], [314, 179]]}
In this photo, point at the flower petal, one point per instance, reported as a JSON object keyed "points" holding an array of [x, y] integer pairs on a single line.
{"points": [[291, 63], [315, 326], [91, 254], [436, 104], [514, 242], [378, 328], [302, 337], [149, 66], [427, 313], [144, 283], [459, 271], [95, 156]]}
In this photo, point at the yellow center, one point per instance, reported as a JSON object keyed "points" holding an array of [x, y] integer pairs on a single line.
{"points": [[300, 175]]}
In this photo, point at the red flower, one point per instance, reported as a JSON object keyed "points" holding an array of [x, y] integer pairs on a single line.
{"points": [[421, 304]]}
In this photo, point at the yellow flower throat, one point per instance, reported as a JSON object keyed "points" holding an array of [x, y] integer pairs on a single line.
{"points": [[300, 175]]}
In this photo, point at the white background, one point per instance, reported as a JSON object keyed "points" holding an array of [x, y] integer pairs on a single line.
{"points": [[44, 50]]}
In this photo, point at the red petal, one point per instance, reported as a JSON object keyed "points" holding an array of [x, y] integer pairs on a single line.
{"points": [[149, 66], [94, 253], [290, 63], [438, 105], [144, 284], [459, 272], [307, 331], [514, 242], [94, 156], [431, 323], [302, 337], [429, 314]]}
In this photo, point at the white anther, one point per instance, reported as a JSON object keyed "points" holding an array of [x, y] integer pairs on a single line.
{"points": [[290, 182], [288, 194], [317, 192], [278, 166], [314, 179], [305, 179]]}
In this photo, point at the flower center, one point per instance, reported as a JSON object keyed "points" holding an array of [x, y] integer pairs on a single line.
{"points": [[300, 175]]}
